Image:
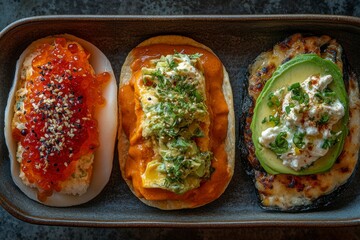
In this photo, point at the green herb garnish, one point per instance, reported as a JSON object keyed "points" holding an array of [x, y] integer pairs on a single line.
{"points": [[264, 120], [329, 142], [298, 93], [275, 120], [324, 119], [298, 139], [326, 96], [280, 145], [273, 101]]}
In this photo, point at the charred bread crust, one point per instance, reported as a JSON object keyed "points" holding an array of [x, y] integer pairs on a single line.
{"points": [[266, 184]]}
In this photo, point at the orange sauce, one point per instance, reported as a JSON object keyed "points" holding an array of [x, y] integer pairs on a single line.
{"points": [[140, 154], [63, 93]]}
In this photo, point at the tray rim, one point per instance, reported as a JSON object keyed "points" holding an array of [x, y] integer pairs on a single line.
{"points": [[291, 17], [319, 18]]}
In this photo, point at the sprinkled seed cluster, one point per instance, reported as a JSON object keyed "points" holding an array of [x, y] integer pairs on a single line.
{"points": [[54, 106]]}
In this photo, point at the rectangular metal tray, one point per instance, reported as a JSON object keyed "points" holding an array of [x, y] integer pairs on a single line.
{"points": [[237, 40]]}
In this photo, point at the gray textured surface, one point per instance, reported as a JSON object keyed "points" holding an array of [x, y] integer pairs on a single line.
{"points": [[11, 228]]}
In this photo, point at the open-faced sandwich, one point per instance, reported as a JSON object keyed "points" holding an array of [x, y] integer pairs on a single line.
{"points": [[176, 139], [61, 121], [302, 129]]}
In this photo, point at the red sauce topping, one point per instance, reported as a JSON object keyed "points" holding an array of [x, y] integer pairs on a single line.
{"points": [[63, 93]]}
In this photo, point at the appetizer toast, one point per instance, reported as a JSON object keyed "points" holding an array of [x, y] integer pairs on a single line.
{"points": [[302, 132], [176, 140], [61, 121]]}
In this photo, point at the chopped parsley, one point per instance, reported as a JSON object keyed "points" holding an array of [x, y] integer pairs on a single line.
{"points": [[324, 119], [280, 145], [173, 121], [329, 142], [274, 119], [273, 101], [298, 139], [298, 93], [264, 120], [172, 64], [288, 108], [326, 96], [195, 55]]}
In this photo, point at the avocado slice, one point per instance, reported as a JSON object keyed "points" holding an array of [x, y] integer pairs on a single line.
{"points": [[297, 70]]}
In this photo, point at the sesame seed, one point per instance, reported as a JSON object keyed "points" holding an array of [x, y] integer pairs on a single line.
{"points": [[56, 108]]}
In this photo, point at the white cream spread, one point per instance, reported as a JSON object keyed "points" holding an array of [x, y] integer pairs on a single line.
{"points": [[306, 115]]}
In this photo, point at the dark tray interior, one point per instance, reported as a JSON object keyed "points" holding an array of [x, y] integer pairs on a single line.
{"points": [[237, 40]]}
